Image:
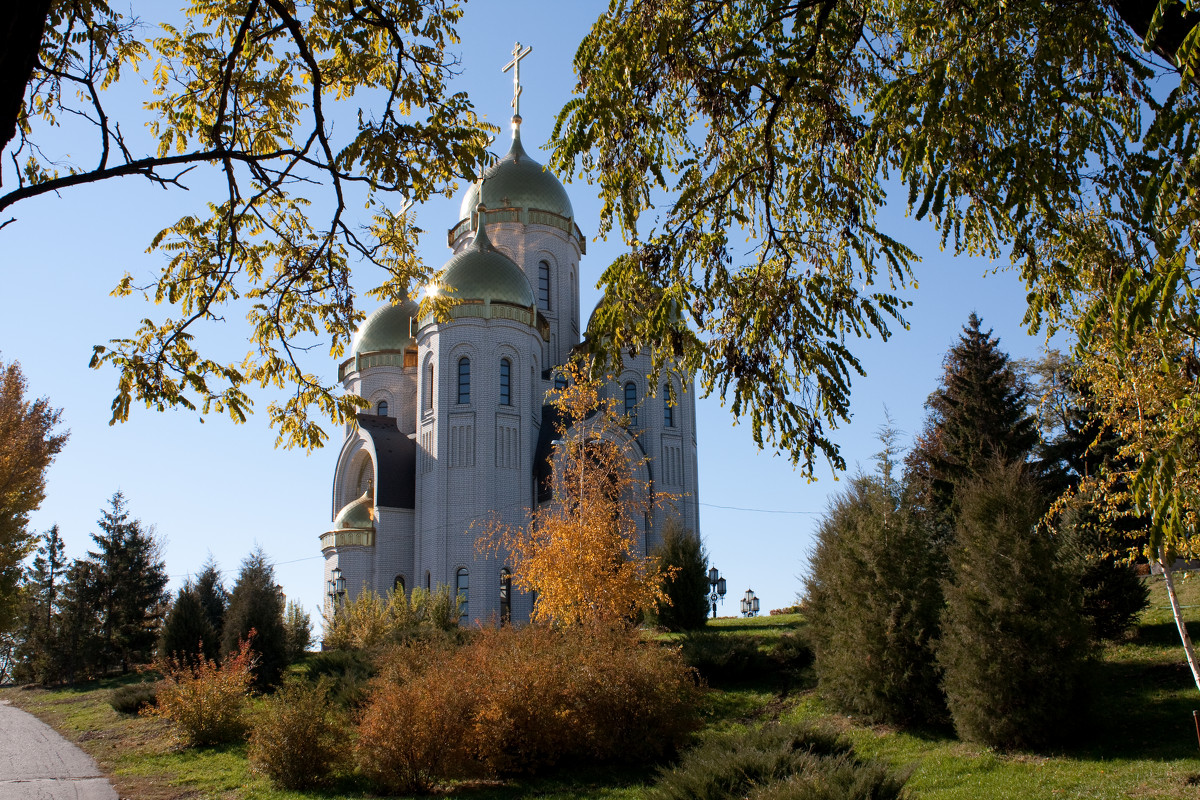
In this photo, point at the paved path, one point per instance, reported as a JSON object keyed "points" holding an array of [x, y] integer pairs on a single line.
{"points": [[38, 764]]}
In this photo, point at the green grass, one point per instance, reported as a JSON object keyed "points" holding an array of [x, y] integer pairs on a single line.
{"points": [[1138, 742]]}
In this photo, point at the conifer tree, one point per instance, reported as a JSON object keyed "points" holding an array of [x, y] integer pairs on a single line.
{"points": [[297, 627], [872, 600], [256, 604], [213, 597], [133, 579], [1013, 643], [684, 565], [79, 645], [42, 585], [978, 414], [187, 633]]}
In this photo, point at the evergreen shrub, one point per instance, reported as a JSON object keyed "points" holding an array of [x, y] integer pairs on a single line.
{"points": [[684, 565], [256, 604], [873, 600], [296, 740], [348, 673], [1014, 643], [132, 698], [204, 702], [778, 762]]}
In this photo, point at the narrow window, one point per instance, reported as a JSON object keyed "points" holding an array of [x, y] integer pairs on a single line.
{"points": [[505, 382], [668, 409], [398, 585], [382, 410], [464, 380], [631, 402], [429, 386], [544, 285], [505, 595], [461, 590], [428, 585]]}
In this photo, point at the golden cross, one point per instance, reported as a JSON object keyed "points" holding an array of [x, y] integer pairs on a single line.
{"points": [[515, 66]]}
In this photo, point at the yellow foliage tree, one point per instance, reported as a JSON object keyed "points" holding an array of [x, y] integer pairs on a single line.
{"points": [[581, 553], [1147, 389]]}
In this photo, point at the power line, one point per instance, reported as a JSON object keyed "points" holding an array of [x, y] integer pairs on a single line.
{"points": [[713, 505]]}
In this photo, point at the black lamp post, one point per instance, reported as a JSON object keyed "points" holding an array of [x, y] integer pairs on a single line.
{"points": [[749, 604], [717, 589], [337, 587]]}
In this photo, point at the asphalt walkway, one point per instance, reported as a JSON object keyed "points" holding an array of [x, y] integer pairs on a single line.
{"points": [[38, 764]]}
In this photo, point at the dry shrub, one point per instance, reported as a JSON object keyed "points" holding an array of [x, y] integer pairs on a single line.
{"points": [[296, 740], [521, 700], [547, 695], [410, 734], [206, 702]]}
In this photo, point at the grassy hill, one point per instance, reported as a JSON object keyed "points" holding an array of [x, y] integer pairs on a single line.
{"points": [[1138, 741]]}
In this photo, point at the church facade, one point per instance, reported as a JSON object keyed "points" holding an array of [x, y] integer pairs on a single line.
{"points": [[459, 430]]}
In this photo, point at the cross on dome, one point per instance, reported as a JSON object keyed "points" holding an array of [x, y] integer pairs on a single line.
{"points": [[515, 66]]}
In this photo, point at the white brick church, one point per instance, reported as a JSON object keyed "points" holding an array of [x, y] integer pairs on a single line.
{"points": [[458, 428]]}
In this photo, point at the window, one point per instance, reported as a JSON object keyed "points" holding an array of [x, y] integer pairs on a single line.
{"points": [[668, 409], [505, 382], [427, 583], [398, 585], [505, 595], [464, 380], [544, 285], [560, 382], [382, 409], [429, 386], [461, 587], [631, 402]]}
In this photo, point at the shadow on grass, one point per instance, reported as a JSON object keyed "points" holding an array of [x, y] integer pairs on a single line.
{"points": [[1142, 708]]}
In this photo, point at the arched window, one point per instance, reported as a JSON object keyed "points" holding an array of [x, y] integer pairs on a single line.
{"points": [[461, 590], [668, 409], [505, 382], [429, 386], [464, 380], [505, 595], [631, 402], [544, 285], [382, 408], [560, 381], [398, 585]]}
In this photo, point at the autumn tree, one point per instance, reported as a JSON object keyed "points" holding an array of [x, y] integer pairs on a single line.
{"points": [[249, 91], [28, 444], [584, 552], [792, 123]]}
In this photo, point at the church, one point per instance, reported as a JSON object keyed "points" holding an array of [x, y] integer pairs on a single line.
{"points": [[459, 429]]}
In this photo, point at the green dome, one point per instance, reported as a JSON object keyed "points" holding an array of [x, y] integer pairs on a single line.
{"points": [[517, 181], [357, 516], [388, 328], [483, 273]]}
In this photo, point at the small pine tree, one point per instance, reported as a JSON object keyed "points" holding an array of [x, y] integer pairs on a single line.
{"points": [[212, 594], [872, 600], [297, 628], [1013, 642], [42, 585], [187, 634], [256, 604], [684, 565]]}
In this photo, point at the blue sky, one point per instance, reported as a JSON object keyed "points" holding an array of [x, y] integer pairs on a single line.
{"points": [[221, 488]]}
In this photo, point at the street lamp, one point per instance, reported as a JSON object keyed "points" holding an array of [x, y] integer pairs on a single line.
{"points": [[749, 604], [717, 589], [337, 587]]}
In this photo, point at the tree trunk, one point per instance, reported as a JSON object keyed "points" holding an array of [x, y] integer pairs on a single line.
{"points": [[22, 24], [1179, 623]]}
